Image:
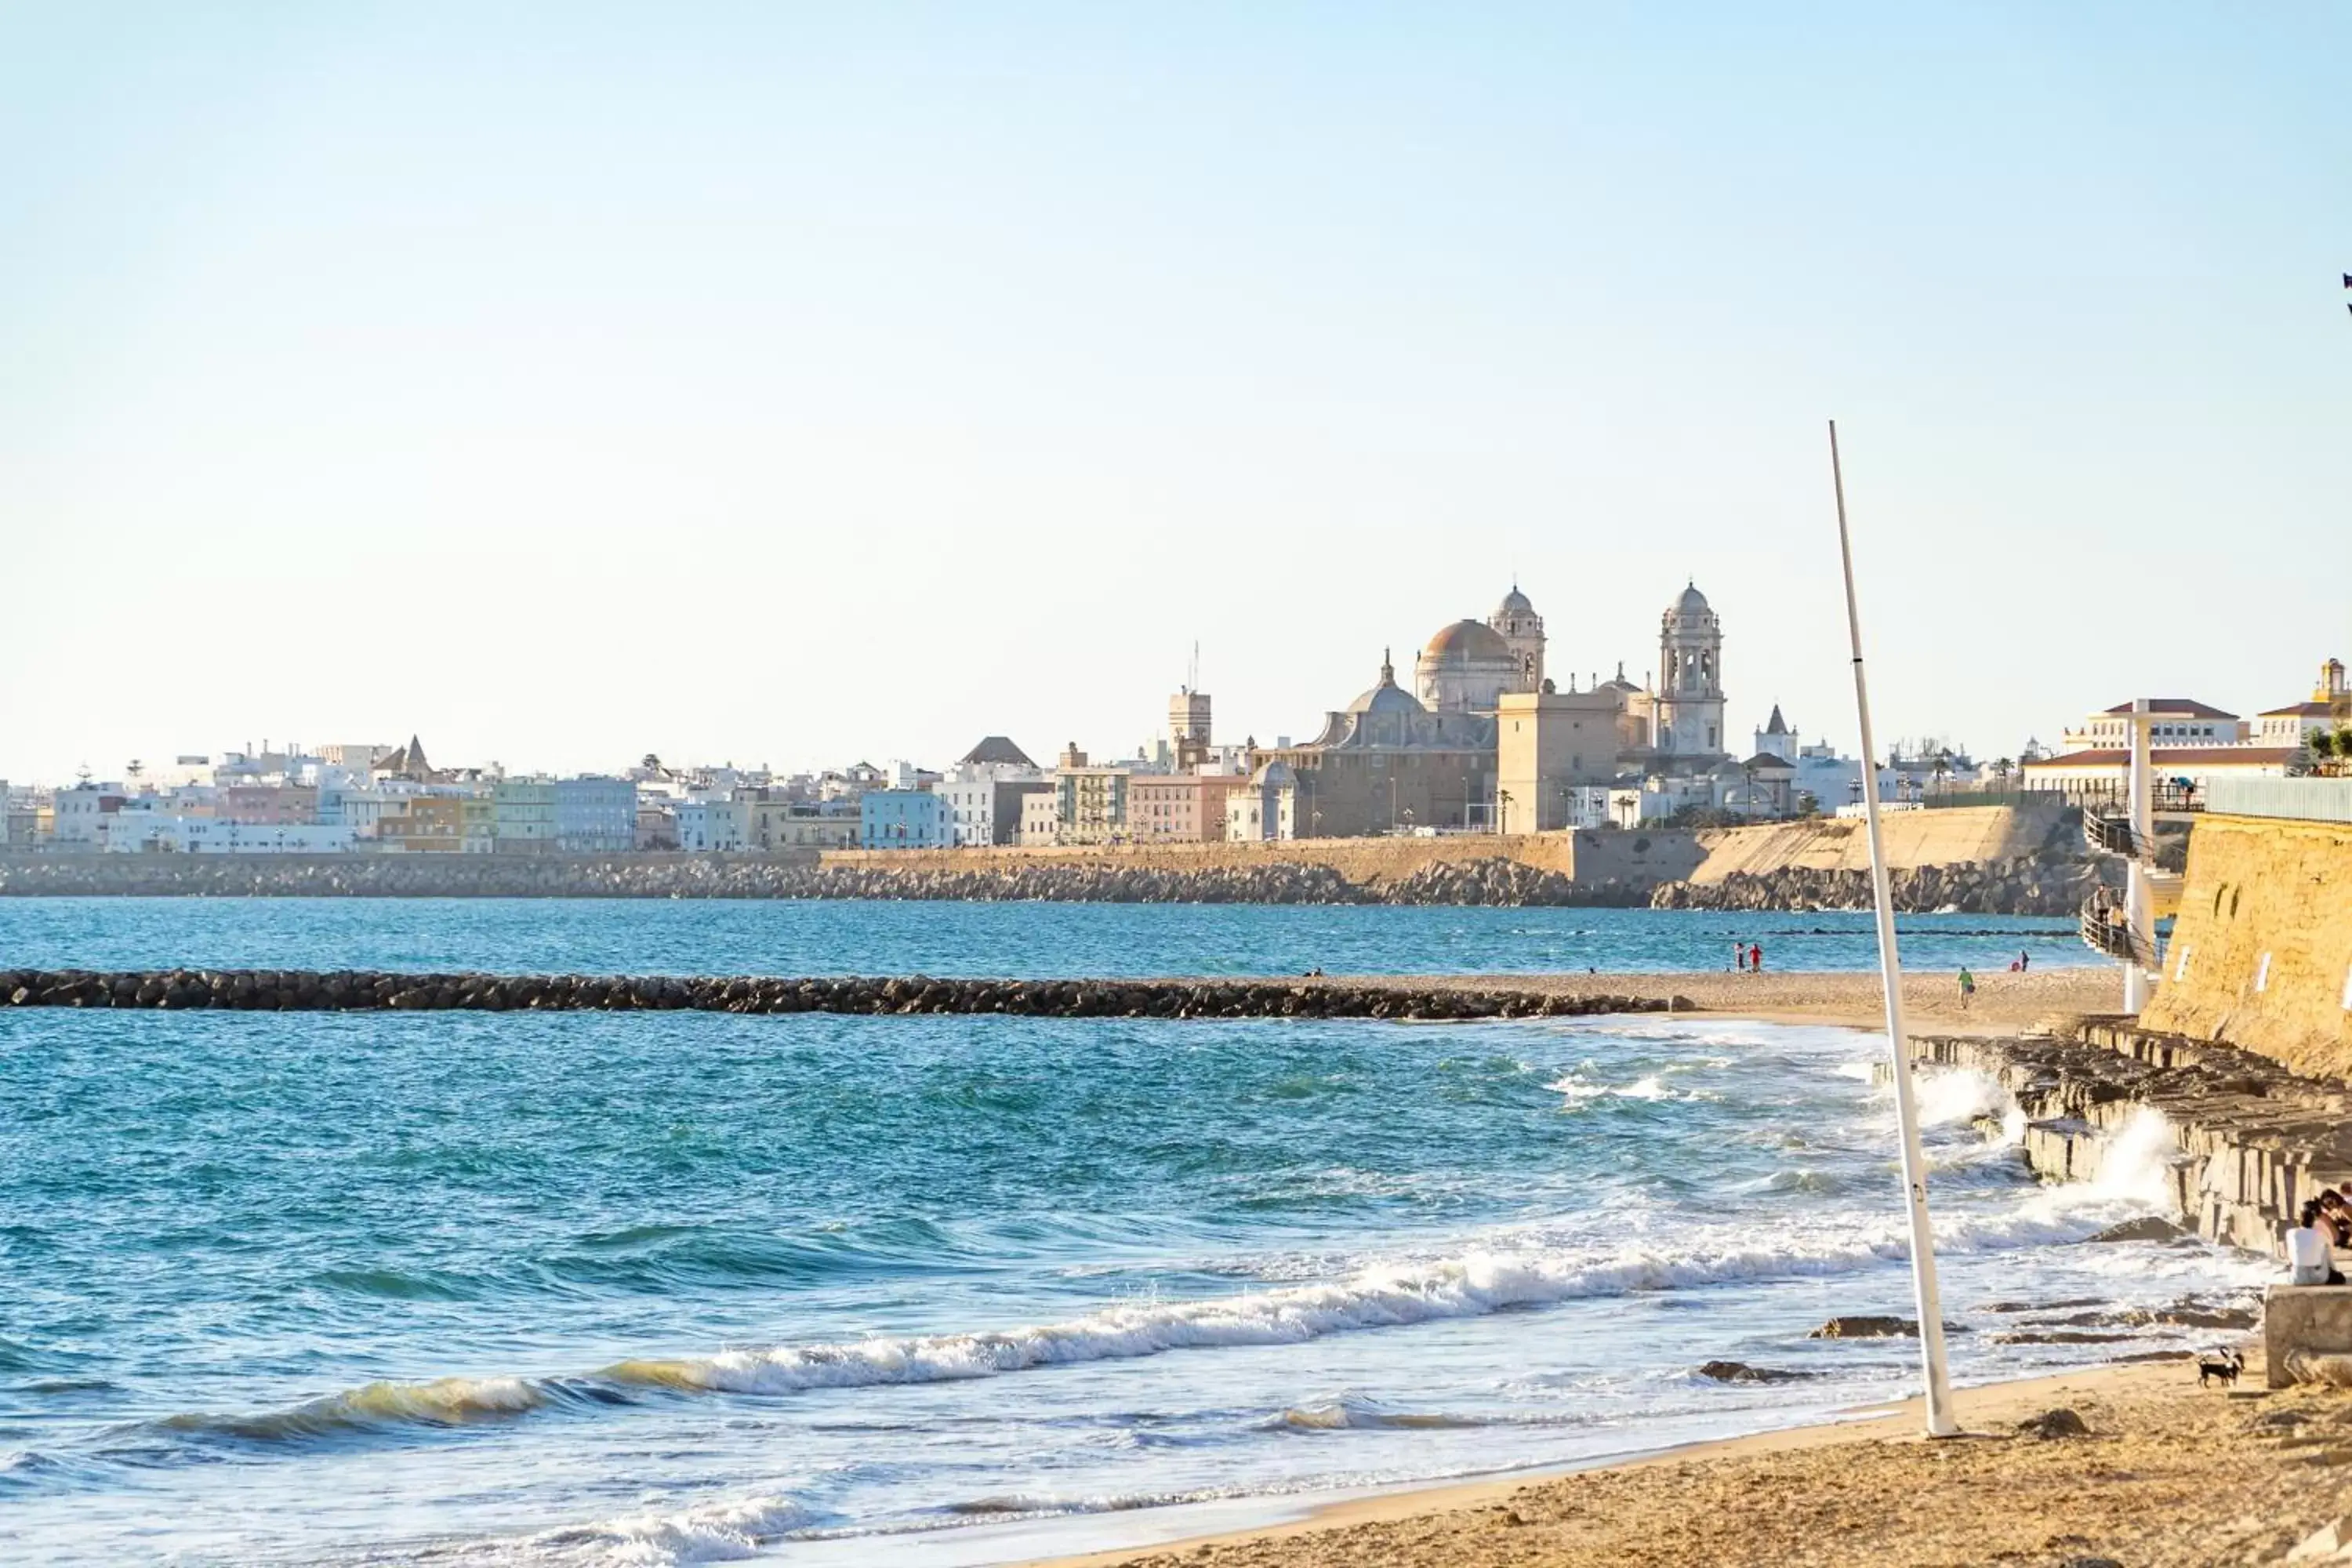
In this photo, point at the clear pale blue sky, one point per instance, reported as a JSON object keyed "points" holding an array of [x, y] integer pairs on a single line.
{"points": [[787, 383]]}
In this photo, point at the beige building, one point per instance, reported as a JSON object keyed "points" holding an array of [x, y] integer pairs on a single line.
{"points": [[788, 824], [1548, 745], [1183, 808], [1091, 801]]}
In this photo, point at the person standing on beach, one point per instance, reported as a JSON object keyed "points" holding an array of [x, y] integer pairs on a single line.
{"points": [[1968, 989], [1754, 959], [1738, 958], [2024, 961]]}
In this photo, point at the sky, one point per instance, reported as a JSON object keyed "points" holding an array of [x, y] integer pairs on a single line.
{"points": [[790, 385]]}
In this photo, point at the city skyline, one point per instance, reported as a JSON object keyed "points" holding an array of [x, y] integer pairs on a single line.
{"points": [[565, 385]]}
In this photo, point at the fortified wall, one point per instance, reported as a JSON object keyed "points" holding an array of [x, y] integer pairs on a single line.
{"points": [[1962, 836], [1958, 857], [1639, 859], [2262, 951]]}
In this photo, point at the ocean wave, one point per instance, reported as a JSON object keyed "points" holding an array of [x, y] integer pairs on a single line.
{"points": [[723, 1531], [1378, 1296], [1650, 1087], [442, 1402], [1357, 1415]]}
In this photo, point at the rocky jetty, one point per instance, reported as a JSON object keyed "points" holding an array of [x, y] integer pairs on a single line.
{"points": [[1492, 881], [2249, 1140], [2027, 885], [277, 991]]}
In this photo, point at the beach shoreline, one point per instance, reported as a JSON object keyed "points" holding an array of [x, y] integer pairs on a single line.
{"points": [[2005, 1002], [2165, 1472]]}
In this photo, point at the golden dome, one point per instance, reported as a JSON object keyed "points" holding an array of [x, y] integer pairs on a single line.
{"points": [[1467, 640]]}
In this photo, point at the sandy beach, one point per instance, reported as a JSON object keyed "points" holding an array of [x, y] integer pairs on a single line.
{"points": [[2163, 1473], [2005, 1002]]}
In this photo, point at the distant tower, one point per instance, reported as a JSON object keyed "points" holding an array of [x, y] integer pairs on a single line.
{"points": [[1690, 678], [1516, 622], [1776, 739], [1188, 729]]}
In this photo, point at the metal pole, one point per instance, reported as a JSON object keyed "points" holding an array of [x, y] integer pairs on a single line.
{"points": [[1941, 1423], [2139, 906]]}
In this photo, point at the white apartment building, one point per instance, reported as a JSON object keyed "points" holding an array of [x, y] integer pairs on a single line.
{"points": [[2172, 722], [168, 832]]}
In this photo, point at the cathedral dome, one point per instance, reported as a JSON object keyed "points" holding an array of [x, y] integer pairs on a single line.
{"points": [[1692, 602], [1514, 604], [1465, 640]]}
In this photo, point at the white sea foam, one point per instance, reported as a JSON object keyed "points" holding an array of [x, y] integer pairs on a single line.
{"points": [[1650, 1087], [720, 1532], [2134, 1171], [1949, 1094], [1380, 1295]]}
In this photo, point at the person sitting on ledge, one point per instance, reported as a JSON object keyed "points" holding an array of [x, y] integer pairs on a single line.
{"points": [[2331, 1221]]}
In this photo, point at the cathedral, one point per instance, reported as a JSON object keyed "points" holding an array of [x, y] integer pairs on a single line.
{"points": [[1483, 726], [1677, 726]]}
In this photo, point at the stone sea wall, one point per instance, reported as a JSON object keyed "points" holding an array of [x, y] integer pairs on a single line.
{"points": [[2262, 951], [1786, 866], [279, 991], [2250, 1141]]}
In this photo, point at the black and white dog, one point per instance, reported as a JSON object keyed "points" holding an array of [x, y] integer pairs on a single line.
{"points": [[2222, 1368]]}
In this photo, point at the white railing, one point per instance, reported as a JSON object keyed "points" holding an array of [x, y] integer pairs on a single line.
{"points": [[2313, 800]]}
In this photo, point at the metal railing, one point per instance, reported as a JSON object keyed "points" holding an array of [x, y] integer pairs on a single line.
{"points": [[2106, 831], [2307, 799], [2103, 929]]}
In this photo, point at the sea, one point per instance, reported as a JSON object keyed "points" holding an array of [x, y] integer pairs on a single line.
{"points": [[678, 1288]]}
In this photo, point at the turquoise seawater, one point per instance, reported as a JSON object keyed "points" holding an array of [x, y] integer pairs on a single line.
{"points": [[678, 1288], [615, 936]]}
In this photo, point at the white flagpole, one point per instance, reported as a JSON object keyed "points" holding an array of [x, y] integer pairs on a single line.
{"points": [[1941, 1423]]}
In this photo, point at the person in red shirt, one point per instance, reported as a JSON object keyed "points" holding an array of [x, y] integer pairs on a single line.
{"points": [[1754, 959]]}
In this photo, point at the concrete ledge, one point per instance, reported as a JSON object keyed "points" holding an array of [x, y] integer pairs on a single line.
{"points": [[2307, 1334]]}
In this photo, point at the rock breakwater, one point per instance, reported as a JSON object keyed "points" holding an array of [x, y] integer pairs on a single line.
{"points": [[2242, 1143], [2024, 885], [1494, 881], [248, 990]]}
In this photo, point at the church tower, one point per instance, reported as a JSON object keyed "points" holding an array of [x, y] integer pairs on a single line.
{"points": [[1516, 622], [1690, 679]]}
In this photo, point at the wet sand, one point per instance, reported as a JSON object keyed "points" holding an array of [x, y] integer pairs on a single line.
{"points": [[2169, 1473], [2004, 1003]]}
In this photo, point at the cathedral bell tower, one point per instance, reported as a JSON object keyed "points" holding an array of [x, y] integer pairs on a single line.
{"points": [[1690, 679], [1516, 622]]}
